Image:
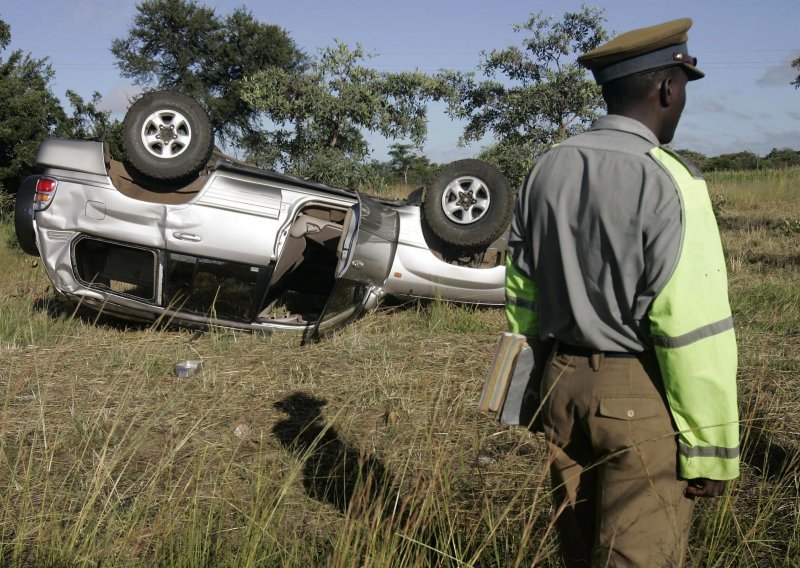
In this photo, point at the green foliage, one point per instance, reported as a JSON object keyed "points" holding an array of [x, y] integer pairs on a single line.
{"points": [[408, 165], [29, 112], [733, 162], [87, 121], [332, 167], [328, 107], [5, 34], [183, 46], [697, 158], [7, 216], [783, 158], [535, 94], [796, 65], [514, 160]]}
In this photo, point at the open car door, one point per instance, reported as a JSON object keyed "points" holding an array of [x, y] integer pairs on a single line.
{"points": [[366, 252]]}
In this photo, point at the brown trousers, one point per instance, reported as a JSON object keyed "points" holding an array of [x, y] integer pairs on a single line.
{"points": [[613, 452]]}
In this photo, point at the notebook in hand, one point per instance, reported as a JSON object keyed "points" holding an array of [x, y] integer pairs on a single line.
{"points": [[509, 394]]}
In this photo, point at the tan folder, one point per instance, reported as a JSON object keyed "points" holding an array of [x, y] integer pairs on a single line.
{"points": [[504, 391]]}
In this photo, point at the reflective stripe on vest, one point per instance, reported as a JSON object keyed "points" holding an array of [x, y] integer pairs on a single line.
{"points": [[693, 337], [522, 311]]}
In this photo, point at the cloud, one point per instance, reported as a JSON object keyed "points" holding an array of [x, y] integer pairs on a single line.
{"points": [[721, 107], [698, 143], [712, 105], [781, 76], [793, 114], [787, 139], [118, 98]]}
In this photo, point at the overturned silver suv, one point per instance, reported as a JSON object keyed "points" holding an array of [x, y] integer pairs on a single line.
{"points": [[181, 233]]}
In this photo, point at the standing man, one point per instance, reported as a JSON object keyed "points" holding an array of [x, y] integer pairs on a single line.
{"points": [[615, 259]]}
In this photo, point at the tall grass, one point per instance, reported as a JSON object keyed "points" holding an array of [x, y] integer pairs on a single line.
{"points": [[361, 450], [774, 192], [757, 524]]}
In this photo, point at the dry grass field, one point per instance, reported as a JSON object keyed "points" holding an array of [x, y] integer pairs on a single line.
{"points": [[361, 450]]}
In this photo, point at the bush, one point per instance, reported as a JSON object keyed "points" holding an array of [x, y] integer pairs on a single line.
{"points": [[737, 161], [332, 167], [515, 161]]}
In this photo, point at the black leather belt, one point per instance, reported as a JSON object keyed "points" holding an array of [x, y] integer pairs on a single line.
{"points": [[578, 351]]}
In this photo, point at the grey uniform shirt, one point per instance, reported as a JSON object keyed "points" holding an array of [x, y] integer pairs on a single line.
{"points": [[597, 226]]}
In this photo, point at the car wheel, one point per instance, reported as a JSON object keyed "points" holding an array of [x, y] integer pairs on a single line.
{"points": [[469, 204], [167, 136], [23, 216]]}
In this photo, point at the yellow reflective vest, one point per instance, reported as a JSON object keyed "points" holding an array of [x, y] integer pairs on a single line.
{"points": [[691, 332]]}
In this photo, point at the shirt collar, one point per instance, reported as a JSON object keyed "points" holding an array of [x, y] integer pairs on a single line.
{"points": [[625, 124]]}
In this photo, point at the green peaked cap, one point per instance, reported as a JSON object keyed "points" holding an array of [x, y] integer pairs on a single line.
{"points": [[641, 50]]}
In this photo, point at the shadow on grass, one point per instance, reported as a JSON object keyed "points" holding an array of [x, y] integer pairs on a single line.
{"points": [[334, 472], [774, 260], [361, 487], [773, 459], [357, 485], [748, 224]]}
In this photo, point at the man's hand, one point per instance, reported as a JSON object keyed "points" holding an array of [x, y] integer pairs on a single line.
{"points": [[702, 487]]}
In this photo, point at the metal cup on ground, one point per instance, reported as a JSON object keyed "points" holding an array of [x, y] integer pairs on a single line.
{"points": [[184, 369]]}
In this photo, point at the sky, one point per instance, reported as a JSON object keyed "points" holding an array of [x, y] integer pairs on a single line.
{"points": [[746, 101]]}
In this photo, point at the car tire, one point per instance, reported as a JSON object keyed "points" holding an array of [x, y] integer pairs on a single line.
{"points": [[167, 136], [23, 216], [468, 204]]}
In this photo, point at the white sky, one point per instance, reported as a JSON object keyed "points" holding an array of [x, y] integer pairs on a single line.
{"points": [[745, 47]]}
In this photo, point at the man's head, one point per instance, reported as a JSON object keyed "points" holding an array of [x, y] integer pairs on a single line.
{"points": [[643, 74], [655, 98]]}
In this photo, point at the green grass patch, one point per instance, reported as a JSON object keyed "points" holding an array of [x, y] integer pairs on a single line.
{"points": [[768, 305]]}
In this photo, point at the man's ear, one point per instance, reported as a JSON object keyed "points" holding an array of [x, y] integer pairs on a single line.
{"points": [[665, 92]]}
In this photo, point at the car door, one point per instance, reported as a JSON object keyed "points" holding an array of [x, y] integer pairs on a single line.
{"points": [[234, 218], [365, 258], [219, 247]]}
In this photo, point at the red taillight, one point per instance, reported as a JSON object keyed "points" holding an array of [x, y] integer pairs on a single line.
{"points": [[45, 190], [46, 185]]}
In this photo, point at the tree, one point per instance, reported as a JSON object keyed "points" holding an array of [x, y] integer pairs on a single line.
{"points": [[697, 158], [734, 162], [796, 65], [181, 45], [514, 160], [29, 113], [782, 158], [88, 121], [325, 111], [535, 94], [409, 165]]}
